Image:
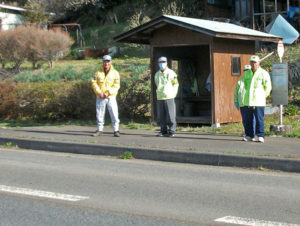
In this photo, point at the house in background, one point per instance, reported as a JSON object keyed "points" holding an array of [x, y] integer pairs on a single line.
{"points": [[11, 17], [255, 14]]}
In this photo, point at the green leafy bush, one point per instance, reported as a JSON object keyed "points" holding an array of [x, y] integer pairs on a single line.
{"points": [[294, 96], [291, 110], [56, 100], [135, 93], [65, 92]]}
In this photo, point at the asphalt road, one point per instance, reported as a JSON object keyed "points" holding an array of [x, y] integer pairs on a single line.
{"points": [[48, 188]]}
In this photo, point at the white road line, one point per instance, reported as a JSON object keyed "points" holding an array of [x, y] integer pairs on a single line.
{"points": [[44, 194], [251, 222]]}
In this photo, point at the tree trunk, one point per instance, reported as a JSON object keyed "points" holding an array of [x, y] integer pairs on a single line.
{"points": [[51, 63], [17, 65]]}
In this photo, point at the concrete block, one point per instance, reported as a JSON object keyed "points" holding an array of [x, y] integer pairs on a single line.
{"points": [[281, 129]]}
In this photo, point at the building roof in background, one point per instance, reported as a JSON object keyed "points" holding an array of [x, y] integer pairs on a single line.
{"points": [[142, 33]]}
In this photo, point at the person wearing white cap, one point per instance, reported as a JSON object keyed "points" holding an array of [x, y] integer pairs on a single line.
{"points": [[251, 93], [166, 90], [105, 84], [238, 101]]}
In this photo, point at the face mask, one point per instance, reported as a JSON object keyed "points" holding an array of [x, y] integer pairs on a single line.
{"points": [[162, 66]]}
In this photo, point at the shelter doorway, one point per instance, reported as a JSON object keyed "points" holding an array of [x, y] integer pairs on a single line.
{"points": [[193, 67]]}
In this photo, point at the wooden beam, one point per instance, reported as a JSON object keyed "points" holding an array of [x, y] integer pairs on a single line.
{"points": [[205, 9], [299, 15], [264, 11], [252, 14]]}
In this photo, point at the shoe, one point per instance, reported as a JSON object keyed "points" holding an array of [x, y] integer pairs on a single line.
{"points": [[246, 138], [116, 134], [160, 134], [98, 134], [261, 139], [170, 135]]}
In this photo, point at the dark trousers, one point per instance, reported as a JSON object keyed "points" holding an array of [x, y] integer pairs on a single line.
{"points": [[166, 114], [243, 109], [258, 113]]}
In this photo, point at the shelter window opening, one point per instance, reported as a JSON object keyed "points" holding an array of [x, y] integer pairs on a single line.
{"points": [[236, 65]]}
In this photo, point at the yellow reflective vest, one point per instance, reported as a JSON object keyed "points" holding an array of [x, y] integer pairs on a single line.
{"points": [[253, 88], [108, 84], [166, 84]]}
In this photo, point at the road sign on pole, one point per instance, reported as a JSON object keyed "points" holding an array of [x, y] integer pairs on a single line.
{"points": [[280, 89], [280, 50]]}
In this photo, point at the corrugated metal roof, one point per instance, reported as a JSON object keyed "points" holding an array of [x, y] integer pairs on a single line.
{"points": [[142, 33], [220, 27]]}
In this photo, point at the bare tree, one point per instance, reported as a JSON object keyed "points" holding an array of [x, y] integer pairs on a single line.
{"points": [[12, 46], [32, 38], [37, 12], [76, 4], [34, 44], [54, 45], [174, 9]]}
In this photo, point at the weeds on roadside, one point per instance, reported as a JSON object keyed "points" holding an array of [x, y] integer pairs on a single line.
{"points": [[8, 144], [261, 168], [126, 155]]}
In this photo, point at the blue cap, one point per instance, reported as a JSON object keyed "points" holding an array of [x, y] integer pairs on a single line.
{"points": [[106, 58], [162, 59]]}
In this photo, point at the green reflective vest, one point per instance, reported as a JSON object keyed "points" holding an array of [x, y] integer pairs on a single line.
{"points": [[166, 84], [253, 88]]}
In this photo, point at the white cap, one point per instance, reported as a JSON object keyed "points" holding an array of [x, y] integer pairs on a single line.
{"points": [[247, 67], [106, 58], [162, 59], [254, 58]]}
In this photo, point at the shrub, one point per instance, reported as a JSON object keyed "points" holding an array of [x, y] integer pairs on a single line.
{"points": [[32, 48], [34, 44], [12, 45], [55, 75], [8, 100], [294, 73], [294, 96], [56, 100], [65, 93], [54, 45], [291, 110], [135, 94]]}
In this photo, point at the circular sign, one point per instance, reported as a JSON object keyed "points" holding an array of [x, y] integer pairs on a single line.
{"points": [[280, 49]]}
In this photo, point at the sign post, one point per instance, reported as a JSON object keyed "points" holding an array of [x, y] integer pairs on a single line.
{"points": [[280, 51], [280, 89]]}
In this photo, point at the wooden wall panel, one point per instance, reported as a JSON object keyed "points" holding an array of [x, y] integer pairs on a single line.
{"points": [[223, 85], [224, 81], [174, 35]]}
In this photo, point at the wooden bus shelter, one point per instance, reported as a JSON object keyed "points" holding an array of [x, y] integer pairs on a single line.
{"points": [[195, 49]]}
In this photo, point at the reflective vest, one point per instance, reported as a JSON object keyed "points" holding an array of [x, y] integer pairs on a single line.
{"points": [[166, 84], [108, 84], [253, 88]]}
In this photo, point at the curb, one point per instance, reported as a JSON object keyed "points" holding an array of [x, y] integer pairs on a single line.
{"points": [[288, 165]]}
